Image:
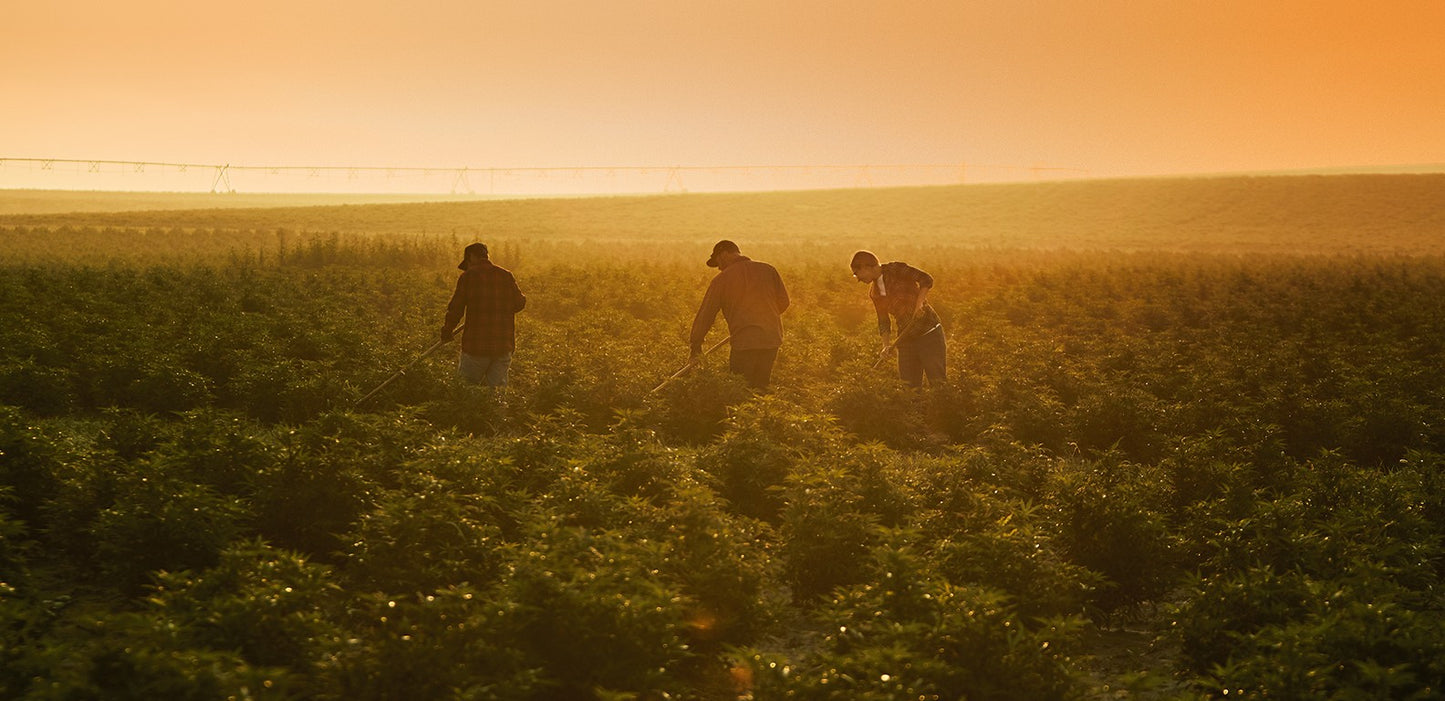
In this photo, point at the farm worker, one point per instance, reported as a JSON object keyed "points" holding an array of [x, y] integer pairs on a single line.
{"points": [[489, 297], [901, 290], [751, 297]]}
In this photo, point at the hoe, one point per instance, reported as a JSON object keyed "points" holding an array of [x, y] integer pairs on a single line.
{"points": [[402, 371], [691, 364]]}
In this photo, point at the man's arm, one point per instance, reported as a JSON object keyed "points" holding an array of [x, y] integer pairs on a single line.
{"points": [[925, 284], [519, 300], [455, 309], [885, 326], [924, 280], [706, 315], [922, 299]]}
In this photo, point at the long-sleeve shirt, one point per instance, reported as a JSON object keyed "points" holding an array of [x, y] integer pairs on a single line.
{"points": [[751, 297], [896, 292], [489, 296]]}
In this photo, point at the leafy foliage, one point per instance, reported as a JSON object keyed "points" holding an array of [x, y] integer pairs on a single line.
{"points": [[1242, 456]]}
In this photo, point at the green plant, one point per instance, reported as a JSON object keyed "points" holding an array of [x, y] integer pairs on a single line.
{"points": [[904, 633]]}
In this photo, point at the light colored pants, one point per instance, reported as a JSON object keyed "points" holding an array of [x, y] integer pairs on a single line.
{"points": [[478, 369]]}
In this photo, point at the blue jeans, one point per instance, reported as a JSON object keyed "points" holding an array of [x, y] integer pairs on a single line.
{"points": [[478, 369]]}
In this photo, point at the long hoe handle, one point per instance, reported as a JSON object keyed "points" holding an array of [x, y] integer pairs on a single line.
{"points": [[409, 366], [691, 364]]}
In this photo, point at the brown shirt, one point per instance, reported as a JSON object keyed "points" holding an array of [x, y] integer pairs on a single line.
{"points": [[751, 297]]}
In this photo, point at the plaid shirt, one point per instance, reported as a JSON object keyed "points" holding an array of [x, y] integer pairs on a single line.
{"points": [[901, 284], [489, 296]]}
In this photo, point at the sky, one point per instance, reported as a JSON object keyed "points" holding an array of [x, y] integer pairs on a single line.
{"points": [[1001, 88]]}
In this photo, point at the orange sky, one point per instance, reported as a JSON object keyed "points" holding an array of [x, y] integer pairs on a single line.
{"points": [[1116, 87]]}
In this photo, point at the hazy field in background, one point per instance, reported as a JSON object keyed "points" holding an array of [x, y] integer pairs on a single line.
{"points": [[1344, 214]]}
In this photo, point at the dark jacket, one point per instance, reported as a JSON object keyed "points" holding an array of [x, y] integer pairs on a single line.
{"points": [[489, 296]]}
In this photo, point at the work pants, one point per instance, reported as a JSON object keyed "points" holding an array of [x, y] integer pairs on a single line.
{"points": [[924, 355], [755, 365]]}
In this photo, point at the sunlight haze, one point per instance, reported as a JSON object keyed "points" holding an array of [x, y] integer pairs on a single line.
{"points": [[1115, 88]]}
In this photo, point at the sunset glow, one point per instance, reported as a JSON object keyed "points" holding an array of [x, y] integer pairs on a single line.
{"points": [[1114, 88]]}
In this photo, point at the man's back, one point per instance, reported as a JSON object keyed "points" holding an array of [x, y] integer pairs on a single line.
{"points": [[490, 297], [751, 296]]}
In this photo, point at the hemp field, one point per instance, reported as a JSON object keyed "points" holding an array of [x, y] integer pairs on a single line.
{"points": [[1191, 447]]}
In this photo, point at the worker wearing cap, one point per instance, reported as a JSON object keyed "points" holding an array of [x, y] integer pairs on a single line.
{"points": [[489, 297], [751, 297], [901, 290]]}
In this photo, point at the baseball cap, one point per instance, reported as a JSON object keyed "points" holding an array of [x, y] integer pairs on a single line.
{"points": [[479, 248], [723, 245]]}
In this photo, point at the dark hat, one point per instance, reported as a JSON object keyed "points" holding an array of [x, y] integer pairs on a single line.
{"points": [[723, 245], [478, 248]]}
